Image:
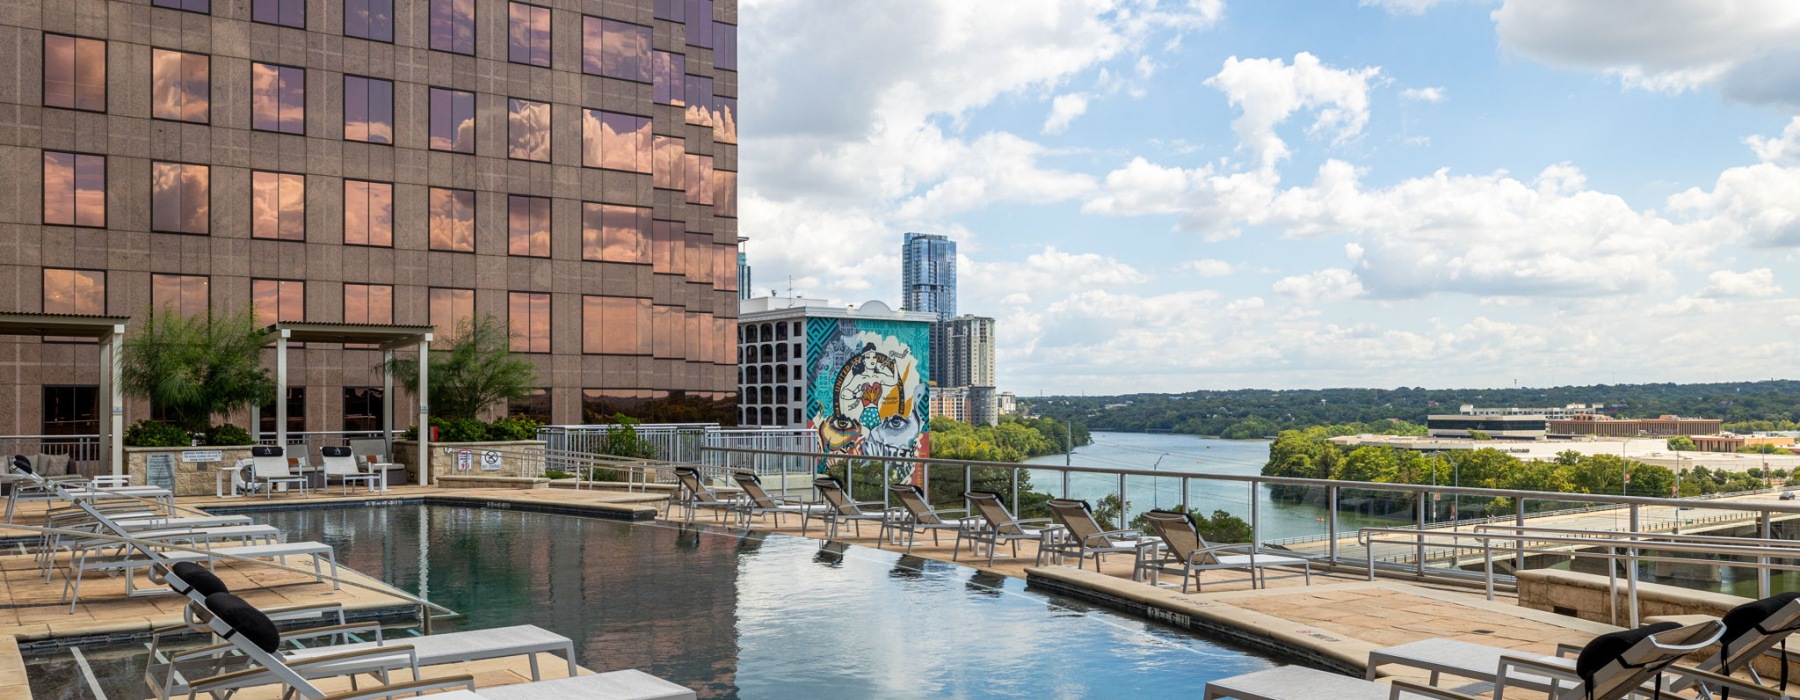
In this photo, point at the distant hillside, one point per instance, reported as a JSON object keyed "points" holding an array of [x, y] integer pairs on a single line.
{"points": [[1249, 413]]}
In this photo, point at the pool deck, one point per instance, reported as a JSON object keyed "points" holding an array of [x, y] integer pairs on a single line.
{"points": [[1332, 623]]}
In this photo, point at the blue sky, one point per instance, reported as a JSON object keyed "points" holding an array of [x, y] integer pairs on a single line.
{"points": [[1167, 195]]}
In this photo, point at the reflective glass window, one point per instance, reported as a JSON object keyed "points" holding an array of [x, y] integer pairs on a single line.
{"points": [[670, 73], [278, 300], [528, 315], [699, 100], [700, 23], [453, 26], [615, 233], [528, 34], [203, 6], [183, 294], [451, 310], [452, 120], [369, 19], [369, 303], [615, 49], [452, 220], [699, 268], [699, 179], [180, 198], [180, 86], [74, 189], [74, 73], [287, 13], [278, 206], [368, 213], [615, 325], [668, 247], [725, 194], [528, 226], [368, 109], [74, 292], [528, 130], [534, 405], [615, 141], [724, 119], [669, 168], [672, 10], [724, 46], [277, 98]]}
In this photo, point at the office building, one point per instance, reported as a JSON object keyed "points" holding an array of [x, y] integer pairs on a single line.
{"points": [[928, 284], [857, 376], [743, 271], [950, 402], [568, 168], [968, 360]]}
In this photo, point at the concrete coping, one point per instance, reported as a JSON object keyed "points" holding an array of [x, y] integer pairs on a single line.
{"points": [[1686, 598]]}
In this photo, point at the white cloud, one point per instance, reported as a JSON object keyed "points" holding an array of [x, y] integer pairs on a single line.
{"points": [[1268, 90], [1335, 284], [1754, 204], [1398, 7], [1783, 149], [1432, 95], [1063, 110], [1745, 46], [1208, 267], [1755, 283], [1041, 274]]}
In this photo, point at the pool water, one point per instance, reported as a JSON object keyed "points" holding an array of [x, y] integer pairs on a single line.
{"points": [[739, 615]]}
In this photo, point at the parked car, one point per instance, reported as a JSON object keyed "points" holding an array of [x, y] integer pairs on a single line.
{"points": [[1787, 495]]}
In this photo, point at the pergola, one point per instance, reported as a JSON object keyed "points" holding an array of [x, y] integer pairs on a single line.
{"points": [[110, 331], [388, 338]]}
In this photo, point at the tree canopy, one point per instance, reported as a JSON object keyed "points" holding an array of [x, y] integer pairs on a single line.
{"points": [[476, 370], [192, 368]]}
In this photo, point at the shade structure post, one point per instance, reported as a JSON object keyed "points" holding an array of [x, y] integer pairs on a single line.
{"points": [[112, 424], [425, 410], [387, 404], [281, 385]]}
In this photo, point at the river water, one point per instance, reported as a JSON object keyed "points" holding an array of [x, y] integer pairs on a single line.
{"points": [[1194, 455]]}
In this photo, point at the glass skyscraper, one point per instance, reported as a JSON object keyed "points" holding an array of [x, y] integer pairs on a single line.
{"points": [[928, 283]]}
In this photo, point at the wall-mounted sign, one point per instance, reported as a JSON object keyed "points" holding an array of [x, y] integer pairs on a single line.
{"points": [[465, 460], [159, 470], [201, 456], [490, 461]]}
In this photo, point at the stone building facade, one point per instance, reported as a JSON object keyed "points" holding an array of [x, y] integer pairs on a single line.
{"points": [[567, 167]]}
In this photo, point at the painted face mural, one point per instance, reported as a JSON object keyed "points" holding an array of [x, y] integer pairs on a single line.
{"points": [[870, 376]]}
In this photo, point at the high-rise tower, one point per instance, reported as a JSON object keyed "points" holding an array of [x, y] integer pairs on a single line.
{"points": [[928, 283]]}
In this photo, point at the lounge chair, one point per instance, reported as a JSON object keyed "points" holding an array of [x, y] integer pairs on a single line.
{"points": [[1302, 683], [1609, 666], [1185, 552], [268, 468], [1752, 630], [1083, 537], [917, 515], [757, 501], [695, 494], [998, 527], [840, 509], [340, 464]]}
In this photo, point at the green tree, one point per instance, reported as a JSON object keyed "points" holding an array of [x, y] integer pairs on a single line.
{"points": [[622, 440], [1681, 443], [476, 371], [193, 368]]}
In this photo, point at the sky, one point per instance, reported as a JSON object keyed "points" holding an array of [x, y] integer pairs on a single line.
{"points": [[1171, 195]]}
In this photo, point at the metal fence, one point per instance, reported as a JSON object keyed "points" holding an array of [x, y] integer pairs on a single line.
{"points": [[83, 451]]}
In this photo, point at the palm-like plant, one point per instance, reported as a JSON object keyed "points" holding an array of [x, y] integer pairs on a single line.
{"points": [[193, 368], [475, 371]]}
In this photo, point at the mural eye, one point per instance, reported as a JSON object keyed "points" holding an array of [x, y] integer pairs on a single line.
{"points": [[896, 423]]}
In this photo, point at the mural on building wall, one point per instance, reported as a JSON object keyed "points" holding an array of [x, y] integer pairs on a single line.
{"points": [[868, 381]]}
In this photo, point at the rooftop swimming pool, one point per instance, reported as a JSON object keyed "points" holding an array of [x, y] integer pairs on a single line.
{"points": [[733, 614]]}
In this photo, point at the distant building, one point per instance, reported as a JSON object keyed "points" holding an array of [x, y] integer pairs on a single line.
{"points": [[1733, 443], [1566, 412], [928, 284], [1501, 426], [1596, 424], [858, 375], [969, 351], [1006, 403], [950, 402], [743, 271]]}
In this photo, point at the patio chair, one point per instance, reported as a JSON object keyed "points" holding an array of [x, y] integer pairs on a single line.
{"points": [[757, 501], [268, 468], [1752, 630], [917, 515], [840, 508], [1610, 665], [695, 494], [1302, 683], [1083, 537], [998, 527], [340, 464], [1185, 552]]}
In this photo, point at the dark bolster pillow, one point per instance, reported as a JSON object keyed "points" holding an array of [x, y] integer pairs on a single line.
{"points": [[1750, 616], [335, 451], [1607, 648], [20, 463], [265, 451], [198, 578], [246, 620]]}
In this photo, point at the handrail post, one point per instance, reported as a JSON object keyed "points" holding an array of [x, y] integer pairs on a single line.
{"points": [[1331, 523], [1419, 521], [1519, 544], [1015, 492], [1487, 563], [1065, 483], [1124, 515], [925, 481], [1255, 521], [1762, 570], [887, 473], [1187, 493], [1612, 581], [1631, 579]]}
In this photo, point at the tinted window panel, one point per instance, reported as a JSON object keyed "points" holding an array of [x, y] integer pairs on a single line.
{"points": [[528, 34], [180, 200], [615, 49], [615, 141], [368, 213], [188, 5], [528, 226], [287, 13], [74, 73], [183, 294], [278, 206], [74, 189], [615, 233], [528, 315], [369, 19], [452, 120], [368, 110], [180, 86], [278, 300], [724, 46], [452, 220], [453, 26], [451, 310], [670, 73], [74, 292], [528, 130], [277, 98]]}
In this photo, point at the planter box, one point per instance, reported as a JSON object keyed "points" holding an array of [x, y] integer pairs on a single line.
{"points": [[458, 481], [191, 478], [518, 458]]}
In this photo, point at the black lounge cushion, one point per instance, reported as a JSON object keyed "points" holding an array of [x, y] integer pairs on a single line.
{"points": [[245, 620], [265, 451], [20, 463], [198, 578], [1609, 647], [335, 451], [1749, 617]]}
